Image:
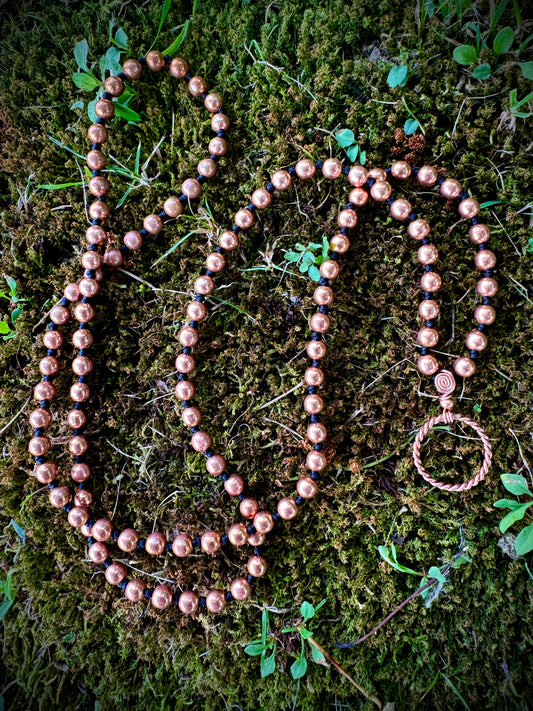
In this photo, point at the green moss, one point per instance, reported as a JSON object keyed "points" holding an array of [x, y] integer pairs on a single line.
{"points": [[70, 641]]}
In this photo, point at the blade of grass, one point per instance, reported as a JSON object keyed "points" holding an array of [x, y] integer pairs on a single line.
{"points": [[178, 41], [164, 13], [454, 689], [174, 246]]}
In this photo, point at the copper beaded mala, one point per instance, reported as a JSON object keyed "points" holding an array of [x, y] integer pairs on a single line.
{"points": [[258, 523]]}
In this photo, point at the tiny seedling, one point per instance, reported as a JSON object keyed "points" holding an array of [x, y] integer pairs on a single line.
{"points": [[306, 258], [346, 140], [412, 124], [7, 590], [397, 76], [7, 328], [517, 485], [515, 105], [262, 646], [299, 666]]}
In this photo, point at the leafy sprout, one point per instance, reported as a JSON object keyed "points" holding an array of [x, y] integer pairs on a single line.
{"points": [[299, 666], [7, 328], [346, 140], [517, 485], [306, 258]]}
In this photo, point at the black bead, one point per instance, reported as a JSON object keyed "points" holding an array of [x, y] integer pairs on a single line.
{"points": [[142, 61], [314, 418], [345, 169], [201, 602], [250, 578], [224, 476], [334, 256], [314, 475], [299, 501], [343, 230], [224, 539], [197, 542], [201, 179], [187, 350], [481, 326], [292, 172], [370, 182], [141, 543], [40, 460], [488, 273], [323, 282], [258, 550], [350, 206], [143, 232], [270, 187], [148, 593], [229, 597], [323, 309], [251, 207], [424, 350], [319, 164], [428, 295], [476, 220], [123, 584], [412, 216], [79, 458], [276, 517], [318, 446], [316, 363], [312, 389], [194, 430], [64, 301], [209, 453], [487, 301], [390, 201], [425, 240], [428, 268], [183, 376], [45, 404], [199, 297], [251, 529], [430, 323], [474, 355], [221, 132], [440, 179]]}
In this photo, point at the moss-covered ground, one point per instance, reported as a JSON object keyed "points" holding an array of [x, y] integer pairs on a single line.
{"points": [[291, 73]]}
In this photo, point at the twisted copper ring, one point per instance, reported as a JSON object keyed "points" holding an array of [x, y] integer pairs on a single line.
{"points": [[448, 417]]}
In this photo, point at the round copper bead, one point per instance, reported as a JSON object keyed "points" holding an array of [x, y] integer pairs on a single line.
{"points": [[427, 176], [469, 208], [155, 61], [196, 311], [400, 170], [134, 591], [240, 589], [185, 390], [228, 240], [98, 552], [95, 234], [218, 146], [261, 198], [306, 487], [357, 176], [479, 233], [182, 545], [102, 529], [418, 229], [248, 507], [161, 597], [313, 404], [487, 286], [188, 602], [256, 539], [281, 179], [485, 314], [153, 224], [256, 565], [244, 218], [88, 287], [96, 160], [71, 292], [316, 461], [191, 188], [400, 209], [215, 601], [82, 338], [450, 188], [314, 375], [78, 516], [204, 285], [237, 534], [133, 240], [323, 295], [40, 418], [60, 315], [53, 339], [359, 197], [201, 441], [287, 508], [263, 521], [207, 167], [329, 269], [178, 68], [427, 364], [427, 254], [378, 174], [115, 573], [485, 259], [428, 309], [316, 432], [78, 445], [381, 191], [97, 133], [104, 109], [234, 485], [428, 337], [46, 472], [220, 122], [80, 471], [132, 69], [339, 243], [155, 543], [188, 336], [99, 211], [331, 168], [98, 186], [476, 341], [84, 497], [127, 540], [173, 207], [114, 86], [305, 169], [49, 365], [347, 219], [316, 349], [320, 322], [464, 367], [84, 313], [215, 262], [213, 102], [430, 281], [197, 86], [191, 416], [210, 542], [215, 465], [44, 391], [185, 363], [39, 446]]}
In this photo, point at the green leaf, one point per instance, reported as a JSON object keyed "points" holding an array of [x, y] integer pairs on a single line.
{"points": [[126, 113], [317, 655], [410, 126], [4, 609], [81, 52], [461, 560], [305, 633], [465, 54], [254, 648], [526, 69], [397, 76], [482, 72], [515, 483], [77, 105], [268, 664], [113, 60], [503, 41], [507, 504], [362, 157], [320, 604], [299, 247], [4, 327], [12, 284], [85, 81], [309, 257], [103, 66], [178, 41], [314, 273], [91, 111], [299, 667], [19, 530], [528, 572], [307, 610], [524, 541], [121, 38], [291, 256], [352, 153], [289, 629], [384, 553], [514, 516], [164, 13], [434, 572], [345, 137]]}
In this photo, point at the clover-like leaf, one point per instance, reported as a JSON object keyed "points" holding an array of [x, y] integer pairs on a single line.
{"points": [[465, 54], [515, 483], [299, 667], [514, 516], [434, 572], [87, 82], [291, 256], [410, 126], [503, 41], [397, 76], [482, 72], [352, 152], [81, 52], [524, 541], [314, 273], [345, 137]]}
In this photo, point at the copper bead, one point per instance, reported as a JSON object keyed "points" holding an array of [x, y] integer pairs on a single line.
{"points": [[215, 465], [331, 168], [153, 224], [213, 102], [339, 243], [476, 341], [316, 432], [114, 86], [185, 363], [261, 198], [127, 540], [155, 543], [178, 68], [228, 240], [240, 589], [281, 179], [185, 390], [191, 188], [400, 209], [347, 219], [60, 496], [207, 167], [134, 591], [182, 545], [102, 529], [78, 516], [39, 446], [80, 471], [287, 507], [215, 600], [53, 339], [487, 286], [203, 285], [220, 122], [191, 416], [188, 336], [400, 170], [359, 197], [313, 404], [46, 472], [196, 311], [132, 69], [188, 602], [263, 521], [237, 534], [249, 507], [316, 460], [173, 207], [60, 315], [98, 552], [316, 349], [40, 418], [485, 314], [314, 375], [210, 542], [201, 441], [244, 218], [155, 61], [428, 337], [485, 259], [430, 281], [465, 367], [97, 133], [418, 229], [306, 487], [428, 309], [44, 391], [161, 597], [215, 262], [378, 174], [427, 254], [115, 573], [469, 208], [381, 191], [427, 176], [305, 169], [197, 86], [427, 364], [479, 233], [256, 565], [234, 485], [133, 240], [217, 146], [104, 108], [329, 269], [450, 188], [357, 176]]}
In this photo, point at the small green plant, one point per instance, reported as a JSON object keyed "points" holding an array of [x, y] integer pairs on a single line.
{"points": [[515, 105], [307, 259], [7, 590], [517, 485], [412, 124], [7, 328], [262, 646], [397, 76], [299, 666], [346, 140]]}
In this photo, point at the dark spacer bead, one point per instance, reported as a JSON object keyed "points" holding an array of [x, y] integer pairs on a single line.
{"points": [[236, 229], [52, 485], [251, 529], [430, 323], [316, 363], [221, 132], [318, 447], [115, 534], [47, 378], [415, 169], [351, 206], [90, 523], [481, 326], [390, 201], [199, 297], [51, 352], [141, 543], [201, 179], [344, 230], [315, 336], [488, 272], [86, 299], [312, 389], [148, 593], [142, 60], [96, 221], [95, 173], [107, 562], [258, 550], [215, 158], [183, 198], [334, 256], [168, 58], [91, 273], [77, 431], [52, 326], [45, 404], [122, 76], [188, 76], [82, 485], [186, 403], [194, 430], [474, 355], [201, 602], [209, 273], [428, 295], [91, 541], [224, 476], [123, 583], [463, 195], [124, 249], [64, 301], [323, 309], [426, 240], [187, 350], [412, 216], [276, 517], [93, 247], [107, 95], [487, 301], [323, 281], [292, 172], [476, 220], [314, 418], [299, 501], [319, 164], [183, 376], [440, 179], [251, 207], [79, 458], [40, 460], [220, 250], [250, 578], [143, 232], [100, 120], [82, 379], [242, 497], [163, 215], [345, 169], [428, 268], [229, 597], [209, 453], [224, 539], [481, 247], [424, 350], [314, 475], [197, 542], [168, 548], [193, 324], [270, 187], [370, 182], [96, 147]]}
